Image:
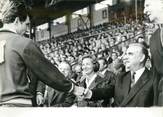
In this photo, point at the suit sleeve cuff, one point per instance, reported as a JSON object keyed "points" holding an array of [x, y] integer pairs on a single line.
{"points": [[88, 95], [39, 93], [72, 88]]}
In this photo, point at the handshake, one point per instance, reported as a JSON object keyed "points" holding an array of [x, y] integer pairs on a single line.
{"points": [[82, 92]]}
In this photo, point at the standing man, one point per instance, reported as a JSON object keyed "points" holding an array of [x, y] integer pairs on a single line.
{"points": [[133, 88], [18, 54], [154, 10]]}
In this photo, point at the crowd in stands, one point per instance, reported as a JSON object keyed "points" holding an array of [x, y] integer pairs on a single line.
{"points": [[103, 45]]}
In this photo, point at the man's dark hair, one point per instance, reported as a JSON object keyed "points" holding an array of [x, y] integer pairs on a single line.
{"points": [[145, 51], [13, 9], [96, 64], [104, 59]]}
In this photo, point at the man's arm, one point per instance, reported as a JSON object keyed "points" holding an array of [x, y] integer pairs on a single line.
{"points": [[40, 87], [44, 70], [102, 93], [99, 93], [161, 36]]}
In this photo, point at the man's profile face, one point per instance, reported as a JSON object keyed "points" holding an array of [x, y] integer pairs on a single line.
{"points": [[23, 26], [154, 10], [132, 57], [114, 56], [102, 65], [78, 69], [64, 69]]}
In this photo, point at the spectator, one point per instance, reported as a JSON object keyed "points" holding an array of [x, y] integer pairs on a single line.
{"points": [[108, 78], [54, 98], [118, 66], [89, 79]]}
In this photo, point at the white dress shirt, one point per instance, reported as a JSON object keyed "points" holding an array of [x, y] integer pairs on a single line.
{"points": [[138, 74], [90, 80]]}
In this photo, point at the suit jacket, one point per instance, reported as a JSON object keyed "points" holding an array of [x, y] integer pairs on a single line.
{"points": [[59, 99], [108, 79], [101, 81], [157, 69], [88, 103], [56, 98], [140, 95]]}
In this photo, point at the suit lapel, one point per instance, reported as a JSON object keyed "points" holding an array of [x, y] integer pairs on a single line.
{"points": [[126, 84], [99, 79], [136, 88], [96, 81], [107, 75]]}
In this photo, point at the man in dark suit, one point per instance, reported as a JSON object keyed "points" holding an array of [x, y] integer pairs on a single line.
{"points": [[153, 9], [107, 78], [55, 98], [133, 88]]}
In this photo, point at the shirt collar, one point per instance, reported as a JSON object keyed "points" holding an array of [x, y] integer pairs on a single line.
{"points": [[89, 82], [103, 72], [9, 30], [138, 73]]}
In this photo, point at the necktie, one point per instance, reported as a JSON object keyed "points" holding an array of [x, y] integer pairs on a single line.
{"points": [[132, 79]]}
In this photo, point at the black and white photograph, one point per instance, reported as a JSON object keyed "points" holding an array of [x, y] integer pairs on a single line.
{"points": [[81, 58]]}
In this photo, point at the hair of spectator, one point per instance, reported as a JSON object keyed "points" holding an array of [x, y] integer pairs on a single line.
{"points": [[144, 47], [66, 62], [105, 61]]}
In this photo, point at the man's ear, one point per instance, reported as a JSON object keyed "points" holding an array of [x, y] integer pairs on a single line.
{"points": [[105, 65], [16, 20], [142, 59]]}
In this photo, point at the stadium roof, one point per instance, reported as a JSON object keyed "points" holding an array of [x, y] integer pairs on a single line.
{"points": [[44, 10]]}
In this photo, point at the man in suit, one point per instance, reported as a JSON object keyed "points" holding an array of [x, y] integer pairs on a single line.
{"points": [[154, 10], [107, 78], [103, 70], [56, 98], [133, 88]]}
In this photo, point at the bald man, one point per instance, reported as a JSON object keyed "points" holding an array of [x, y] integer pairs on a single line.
{"points": [[133, 88], [65, 69], [56, 98]]}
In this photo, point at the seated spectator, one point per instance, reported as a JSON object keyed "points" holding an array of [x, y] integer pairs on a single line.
{"points": [[78, 70], [108, 78], [89, 79], [60, 99], [114, 56], [118, 66]]}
